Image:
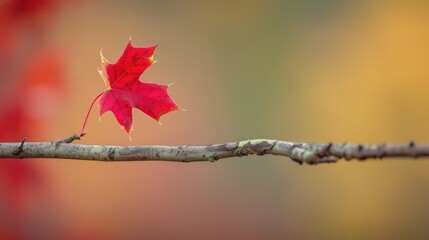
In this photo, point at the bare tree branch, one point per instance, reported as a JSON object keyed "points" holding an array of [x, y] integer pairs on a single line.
{"points": [[311, 153]]}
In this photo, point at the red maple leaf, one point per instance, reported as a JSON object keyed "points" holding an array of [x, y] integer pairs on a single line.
{"points": [[125, 90]]}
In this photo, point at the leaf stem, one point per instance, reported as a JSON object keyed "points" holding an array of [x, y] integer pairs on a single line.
{"points": [[87, 114]]}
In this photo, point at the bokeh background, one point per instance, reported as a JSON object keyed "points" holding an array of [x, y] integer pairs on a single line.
{"points": [[307, 71]]}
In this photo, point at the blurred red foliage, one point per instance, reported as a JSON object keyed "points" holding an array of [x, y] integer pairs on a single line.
{"points": [[32, 79]]}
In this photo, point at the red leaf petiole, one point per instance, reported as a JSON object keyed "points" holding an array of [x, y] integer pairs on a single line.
{"points": [[87, 115]]}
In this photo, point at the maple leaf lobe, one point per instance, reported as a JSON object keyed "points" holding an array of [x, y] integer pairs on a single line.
{"points": [[125, 90]]}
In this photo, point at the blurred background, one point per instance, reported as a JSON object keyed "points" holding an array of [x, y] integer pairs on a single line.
{"points": [[306, 71]]}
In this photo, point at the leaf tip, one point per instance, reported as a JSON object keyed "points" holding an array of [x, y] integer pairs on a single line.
{"points": [[103, 59], [129, 44], [151, 60], [129, 133], [102, 72]]}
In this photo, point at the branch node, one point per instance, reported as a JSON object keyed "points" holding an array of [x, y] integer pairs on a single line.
{"points": [[382, 151], [411, 144], [70, 139], [325, 151], [360, 154], [19, 150], [213, 158]]}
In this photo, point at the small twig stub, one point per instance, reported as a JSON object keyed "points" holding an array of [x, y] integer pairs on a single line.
{"points": [[19, 150]]}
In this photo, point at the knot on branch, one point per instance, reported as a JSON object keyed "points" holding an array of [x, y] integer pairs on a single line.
{"points": [[313, 154], [258, 147], [20, 149], [72, 138]]}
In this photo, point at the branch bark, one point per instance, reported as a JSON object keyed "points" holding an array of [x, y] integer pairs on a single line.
{"points": [[311, 153]]}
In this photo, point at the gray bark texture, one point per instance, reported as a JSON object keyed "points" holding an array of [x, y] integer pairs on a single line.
{"points": [[310, 153]]}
